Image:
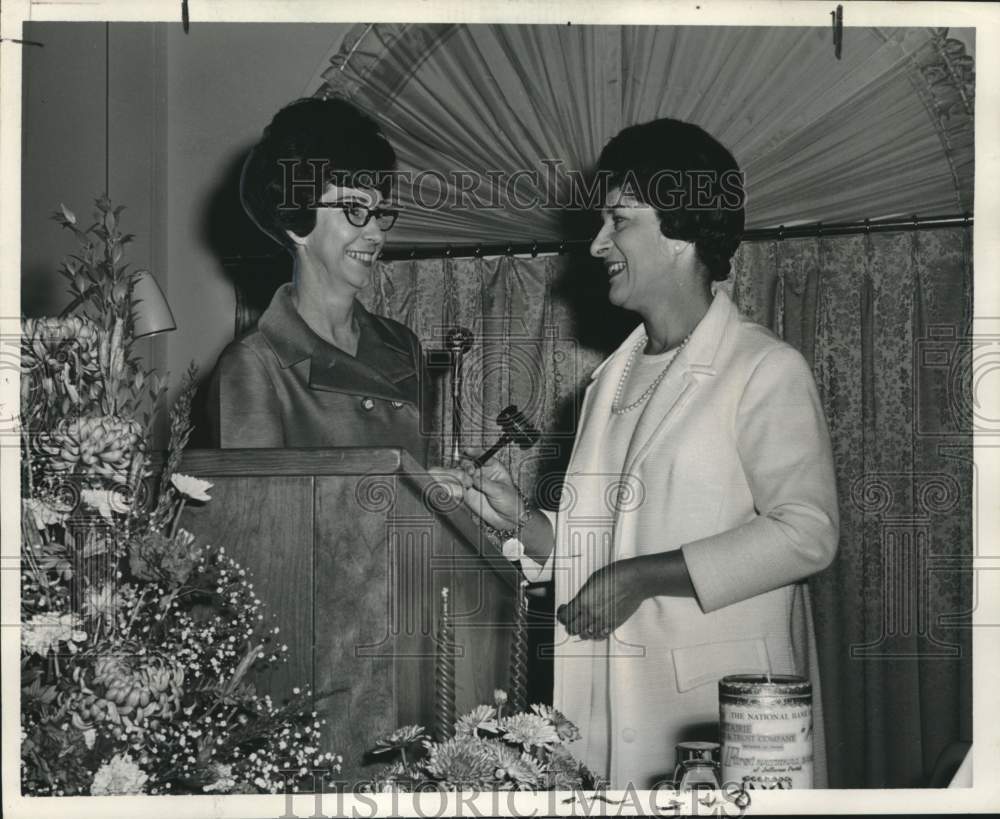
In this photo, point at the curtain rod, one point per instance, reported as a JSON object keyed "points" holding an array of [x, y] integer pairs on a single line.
{"points": [[533, 248]]}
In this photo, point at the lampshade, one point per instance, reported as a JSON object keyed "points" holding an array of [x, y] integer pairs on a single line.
{"points": [[152, 313]]}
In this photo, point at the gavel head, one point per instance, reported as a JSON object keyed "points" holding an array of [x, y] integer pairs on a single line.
{"points": [[459, 340], [518, 428]]}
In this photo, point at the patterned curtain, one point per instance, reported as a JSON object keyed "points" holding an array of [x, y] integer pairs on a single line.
{"points": [[527, 351], [883, 318]]}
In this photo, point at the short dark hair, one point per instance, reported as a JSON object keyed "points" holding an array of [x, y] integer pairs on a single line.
{"points": [[321, 141], [692, 181]]}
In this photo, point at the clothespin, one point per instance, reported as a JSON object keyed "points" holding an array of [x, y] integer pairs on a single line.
{"points": [[837, 18], [21, 42]]}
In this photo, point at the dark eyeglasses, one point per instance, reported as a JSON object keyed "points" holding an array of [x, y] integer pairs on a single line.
{"points": [[360, 215]]}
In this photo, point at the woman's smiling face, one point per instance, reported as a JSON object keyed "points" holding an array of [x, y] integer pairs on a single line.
{"points": [[636, 255], [346, 252]]}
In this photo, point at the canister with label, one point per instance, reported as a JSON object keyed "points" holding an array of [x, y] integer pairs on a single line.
{"points": [[766, 728]]}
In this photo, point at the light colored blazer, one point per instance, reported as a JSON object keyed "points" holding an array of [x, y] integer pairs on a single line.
{"points": [[730, 462]]}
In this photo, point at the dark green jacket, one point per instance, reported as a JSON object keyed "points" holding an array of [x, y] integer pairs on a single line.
{"points": [[281, 385]]}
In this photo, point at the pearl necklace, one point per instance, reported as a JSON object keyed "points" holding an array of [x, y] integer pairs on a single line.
{"points": [[616, 406]]}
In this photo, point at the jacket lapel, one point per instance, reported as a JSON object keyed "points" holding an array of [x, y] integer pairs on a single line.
{"points": [[692, 366], [381, 369], [597, 401]]}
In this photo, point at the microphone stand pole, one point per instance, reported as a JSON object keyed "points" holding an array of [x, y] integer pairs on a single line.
{"points": [[458, 342]]}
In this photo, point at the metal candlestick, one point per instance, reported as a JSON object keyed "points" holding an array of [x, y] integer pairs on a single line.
{"points": [[444, 674], [519, 652]]}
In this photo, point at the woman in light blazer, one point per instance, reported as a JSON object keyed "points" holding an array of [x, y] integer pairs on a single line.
{"points": [[700, 493]]}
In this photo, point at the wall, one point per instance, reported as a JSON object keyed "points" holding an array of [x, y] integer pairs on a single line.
{"points": [[160, 120], [91, 123], [224, 83]]}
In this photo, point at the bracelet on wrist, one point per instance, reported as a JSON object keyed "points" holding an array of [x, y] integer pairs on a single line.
{"points": [[501, 536]]}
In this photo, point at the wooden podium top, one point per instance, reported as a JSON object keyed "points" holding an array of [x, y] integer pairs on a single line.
{"points": [[302, 461], [346, 462]]}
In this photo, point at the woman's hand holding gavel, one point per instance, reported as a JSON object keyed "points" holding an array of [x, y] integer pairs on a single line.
{"points": [[490, 492], [487, 489]]}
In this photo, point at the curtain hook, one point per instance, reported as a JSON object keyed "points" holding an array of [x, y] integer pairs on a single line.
{"points": [[413, 252], [868, 227], [447, 251], [562, 248], [478, 252], [965, 219], [916, 221], [819, 230], [781, 233], [509, 251], [534, 249]]}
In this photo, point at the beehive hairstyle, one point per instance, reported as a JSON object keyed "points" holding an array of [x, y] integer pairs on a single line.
{"points": [[691, 180], [309, 145]]}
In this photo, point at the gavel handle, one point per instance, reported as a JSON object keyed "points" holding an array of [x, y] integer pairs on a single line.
{"points": [[493, 450]]}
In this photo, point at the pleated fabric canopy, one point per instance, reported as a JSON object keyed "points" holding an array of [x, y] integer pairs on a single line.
{"points": [[490, 121]]}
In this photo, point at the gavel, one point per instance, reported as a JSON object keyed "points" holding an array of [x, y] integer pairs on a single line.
{"points": [[516, 429]]}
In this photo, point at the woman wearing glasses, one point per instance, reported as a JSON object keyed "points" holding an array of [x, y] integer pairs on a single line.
{"points": [[319, 369]]}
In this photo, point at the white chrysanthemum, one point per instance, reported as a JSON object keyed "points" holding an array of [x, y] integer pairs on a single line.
{"points": [[45, 514], [525, 771], [401, 738], [101, 602], [529, 730], [44, 631], [190, 487], [481, 718], [119, 776], [224, 780], [464, 762], [565, 728], [103, 501]]}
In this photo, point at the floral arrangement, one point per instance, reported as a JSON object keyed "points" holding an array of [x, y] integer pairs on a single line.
{"points": [[489, 750], [139, 643]]}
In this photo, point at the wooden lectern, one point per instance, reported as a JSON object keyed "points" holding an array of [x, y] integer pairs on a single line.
{"points": [[350, 549]]}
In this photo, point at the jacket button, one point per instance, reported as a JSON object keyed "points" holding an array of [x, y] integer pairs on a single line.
{"points": [[368, 404], [628, 734], [397, 404]]}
